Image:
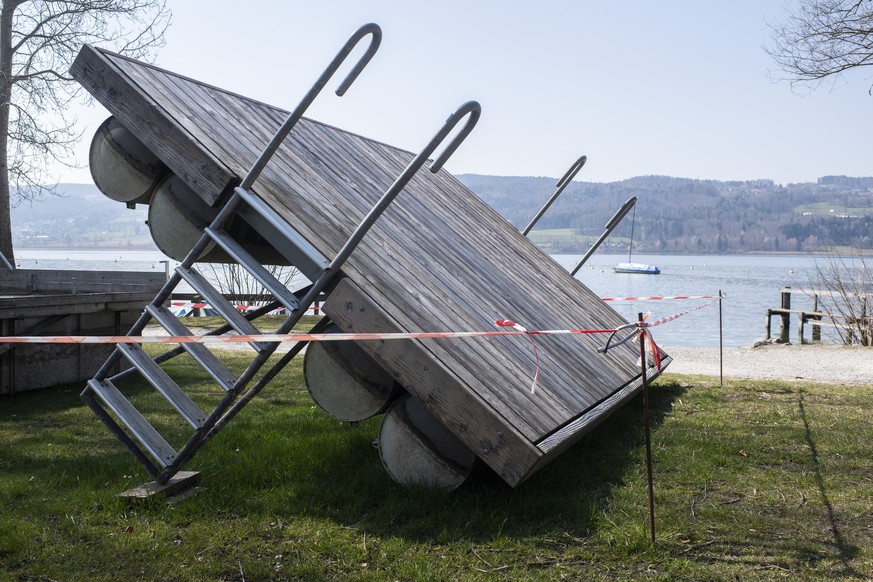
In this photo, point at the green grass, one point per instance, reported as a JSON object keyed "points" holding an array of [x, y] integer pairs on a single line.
{"points": [[265, 323], [759, 480], [559, 235], [825, 208]]}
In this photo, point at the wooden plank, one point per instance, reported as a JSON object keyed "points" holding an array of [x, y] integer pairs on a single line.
{"points": [[468, 417], [98, 71], [44, 281], [416, 292], [567, 435], [186, 104], [413, 227], [180, 483], [47, 305]]}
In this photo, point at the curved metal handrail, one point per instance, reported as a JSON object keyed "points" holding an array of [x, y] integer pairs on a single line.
{"points": [[292, 119], [571, 173], [471, 109], [560, 185], [607, 230]]}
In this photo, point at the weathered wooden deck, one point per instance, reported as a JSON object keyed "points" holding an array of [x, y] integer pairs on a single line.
{"points": [[439, 259]]}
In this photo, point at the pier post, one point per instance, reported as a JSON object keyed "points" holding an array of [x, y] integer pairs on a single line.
{"points": [[784, 327], [816, 329]]}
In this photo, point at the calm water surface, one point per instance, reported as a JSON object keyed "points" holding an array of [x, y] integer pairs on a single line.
{"points": [[750, 283]]}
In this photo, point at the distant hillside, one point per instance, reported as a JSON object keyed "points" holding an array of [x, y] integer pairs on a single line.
{"points": [[673, 215], [79, 216], [678, 215]]}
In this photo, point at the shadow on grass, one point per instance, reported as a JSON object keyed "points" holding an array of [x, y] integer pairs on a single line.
{"points": [[285, 458], [569, 495], [845, 551]]}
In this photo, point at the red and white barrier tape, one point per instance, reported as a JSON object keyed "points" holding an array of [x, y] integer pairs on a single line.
{"points": [[507, 323], [501, 324], [678, 315], [516, 329], [659, 297]]}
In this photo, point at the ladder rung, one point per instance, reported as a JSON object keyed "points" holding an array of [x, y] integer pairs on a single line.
{"points": [[198, 351], [164, 384], [282, 236], [248, 262], [130, 417], [221, 305]]}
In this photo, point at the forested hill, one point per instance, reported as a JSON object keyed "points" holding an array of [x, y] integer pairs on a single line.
{"points": [[678, 215], [673, 215]]}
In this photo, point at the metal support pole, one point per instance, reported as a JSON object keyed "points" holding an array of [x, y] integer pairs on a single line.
{"points": [[561, 184], [647, 422], [610, 226], [721, 341], [471, 110]]}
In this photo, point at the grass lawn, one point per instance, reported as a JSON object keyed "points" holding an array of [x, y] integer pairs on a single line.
{"points": [[758, 480]]}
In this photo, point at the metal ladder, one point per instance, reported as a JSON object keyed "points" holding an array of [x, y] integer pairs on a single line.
{"points": [[141, 438]]}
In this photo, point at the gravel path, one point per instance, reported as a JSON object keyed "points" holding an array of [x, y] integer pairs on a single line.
{"points": [[814, 363]]}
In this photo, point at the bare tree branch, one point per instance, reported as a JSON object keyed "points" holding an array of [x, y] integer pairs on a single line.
{"points": [[847, 298], [822, 39], [39, 39]]}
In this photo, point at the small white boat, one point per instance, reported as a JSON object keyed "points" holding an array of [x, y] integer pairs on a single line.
{"points": [[641, 268], [638, 268]]}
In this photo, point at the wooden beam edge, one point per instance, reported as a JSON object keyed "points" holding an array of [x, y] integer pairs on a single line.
{"points": [[207, 176], [472, 420]]}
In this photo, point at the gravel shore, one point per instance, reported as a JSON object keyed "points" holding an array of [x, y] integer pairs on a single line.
{"points": [[812, 363]]}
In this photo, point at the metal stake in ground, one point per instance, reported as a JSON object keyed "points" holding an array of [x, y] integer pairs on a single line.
{"points": [[646, 421], [720, 342]]}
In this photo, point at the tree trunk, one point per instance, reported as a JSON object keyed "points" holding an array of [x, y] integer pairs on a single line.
{"points": [[6, 15]]}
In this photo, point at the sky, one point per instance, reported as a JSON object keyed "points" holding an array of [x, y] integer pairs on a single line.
{"points": [[675, 88]]}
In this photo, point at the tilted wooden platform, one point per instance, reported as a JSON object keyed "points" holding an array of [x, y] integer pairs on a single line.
{"points": [[439, 259]]}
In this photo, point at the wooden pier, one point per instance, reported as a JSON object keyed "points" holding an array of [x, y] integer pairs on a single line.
{"points": [[815, 315], [438, 259]]}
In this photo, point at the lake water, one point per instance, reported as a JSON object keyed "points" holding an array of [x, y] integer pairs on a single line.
{"points": [[751, 284]]}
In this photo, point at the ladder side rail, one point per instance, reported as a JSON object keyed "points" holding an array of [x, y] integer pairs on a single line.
{"points": [[205, 436], [375, 40], [610, 226], [235, 201], [120, 434], [560, 185], [197, 439], [470, 110]]}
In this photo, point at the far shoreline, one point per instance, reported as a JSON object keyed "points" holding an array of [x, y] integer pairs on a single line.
{"points": [[150, 247]]}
